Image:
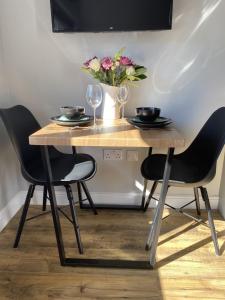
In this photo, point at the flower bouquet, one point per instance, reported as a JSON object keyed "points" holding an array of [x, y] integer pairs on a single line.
{"points": [[115, 71], [112, 73]]}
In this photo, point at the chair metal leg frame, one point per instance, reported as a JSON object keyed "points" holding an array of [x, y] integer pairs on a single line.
{"points": [[154, 186], [156, 225], [74, 217], [84, 186], [180, 210], [210, 218], [65, 215], [79, 194], [24, 214], [38, 215], [44, 198], [197, 202]]}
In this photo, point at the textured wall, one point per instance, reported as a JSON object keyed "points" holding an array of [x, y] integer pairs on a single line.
{"points": [[186, 71]]}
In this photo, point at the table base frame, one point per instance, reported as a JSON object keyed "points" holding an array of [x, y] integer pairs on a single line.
{"points": [[114, 206], [105, 263]]}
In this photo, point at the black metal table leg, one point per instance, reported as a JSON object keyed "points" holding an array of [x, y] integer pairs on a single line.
{"points": [[145, 186], [80, 262], [74, 218], [53, 203], [91, 203], [144, 194], [154, 186], [156, 225]]}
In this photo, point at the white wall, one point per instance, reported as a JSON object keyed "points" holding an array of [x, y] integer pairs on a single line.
{"points": [[10, 182], [186, 71]]}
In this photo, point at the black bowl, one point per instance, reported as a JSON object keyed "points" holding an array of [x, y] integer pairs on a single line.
{"points": [[147, 113], [72, 111]]}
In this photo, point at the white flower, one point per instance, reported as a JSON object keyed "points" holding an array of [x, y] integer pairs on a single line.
{"points": [[130, 71], [117, 63], [95, 64]]}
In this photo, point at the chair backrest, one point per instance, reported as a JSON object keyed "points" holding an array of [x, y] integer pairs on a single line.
{"points": [[20, 124], [208, 144]]}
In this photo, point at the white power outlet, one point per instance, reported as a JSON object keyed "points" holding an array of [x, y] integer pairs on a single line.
{"points": [[132, 155], [112, 154]]}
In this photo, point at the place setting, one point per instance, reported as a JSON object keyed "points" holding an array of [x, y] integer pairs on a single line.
{"points": [[147, 118], [72, 116]]}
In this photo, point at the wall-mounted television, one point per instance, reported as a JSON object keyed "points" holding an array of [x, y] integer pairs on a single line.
{"points": [[110, 15]]}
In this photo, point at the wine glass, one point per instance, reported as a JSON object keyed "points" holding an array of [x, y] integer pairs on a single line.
{"points": [[94, 97], [122, 95]]}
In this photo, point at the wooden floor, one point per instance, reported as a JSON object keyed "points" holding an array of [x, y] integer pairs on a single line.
{"points": [[186, 265]]}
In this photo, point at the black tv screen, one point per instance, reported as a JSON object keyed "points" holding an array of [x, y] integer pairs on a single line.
{"points": [[110, 15]]}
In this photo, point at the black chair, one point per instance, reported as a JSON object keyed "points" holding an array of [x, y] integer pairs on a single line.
{"points": [[67, 168], [193, 168]]}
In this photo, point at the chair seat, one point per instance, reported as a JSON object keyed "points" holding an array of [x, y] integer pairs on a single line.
{"points": [[66, 168], [183, 171]]}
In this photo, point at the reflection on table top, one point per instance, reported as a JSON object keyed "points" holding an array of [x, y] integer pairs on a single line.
{"points": [[115, 133]]}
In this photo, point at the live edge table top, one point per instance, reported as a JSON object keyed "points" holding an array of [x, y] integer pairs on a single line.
{"points": [[116, 133]]}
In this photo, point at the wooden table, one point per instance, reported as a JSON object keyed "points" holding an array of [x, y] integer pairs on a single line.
{"points": [[118, 133]]}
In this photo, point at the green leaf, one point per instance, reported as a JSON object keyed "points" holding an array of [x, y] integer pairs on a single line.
{"points": [[141, 76], [140, 71], [137, 67]]}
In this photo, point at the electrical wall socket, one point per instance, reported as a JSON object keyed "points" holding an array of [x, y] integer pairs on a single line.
{"points": [[132, 155], [112, 154]]}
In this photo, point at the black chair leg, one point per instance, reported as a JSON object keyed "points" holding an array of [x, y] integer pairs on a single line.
{"points": [[197, 202], [154, 186], [74, 218], [79, 194], [24, 214], [210, 218], [45, 193], [84, 186]]}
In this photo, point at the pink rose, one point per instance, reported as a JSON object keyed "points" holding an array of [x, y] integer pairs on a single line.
{"points": [[126, 61], [107, 63], [87, 63]]}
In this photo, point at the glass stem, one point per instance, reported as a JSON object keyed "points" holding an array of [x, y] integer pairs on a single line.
{"points": [[94, 117], [120, 109], [123, 111]]}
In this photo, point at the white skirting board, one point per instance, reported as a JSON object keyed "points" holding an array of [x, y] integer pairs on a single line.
{"points": [[8, 212], [128, 198]]}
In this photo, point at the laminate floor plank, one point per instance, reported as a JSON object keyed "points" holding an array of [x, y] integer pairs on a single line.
{"points": [[186, 265]]}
